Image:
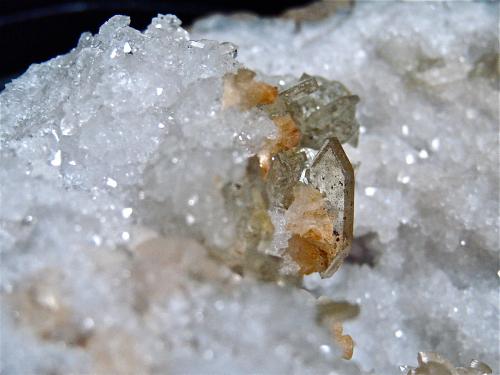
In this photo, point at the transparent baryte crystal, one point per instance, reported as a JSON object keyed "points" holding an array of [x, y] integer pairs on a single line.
{"points": [[247, 202], [332, 174], [321, 108], [286, 169], [319, 203], [328, 111], [306, 85]]}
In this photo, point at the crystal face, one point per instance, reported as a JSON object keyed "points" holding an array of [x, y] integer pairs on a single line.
{"points": [[328, 112], [332, 174]]}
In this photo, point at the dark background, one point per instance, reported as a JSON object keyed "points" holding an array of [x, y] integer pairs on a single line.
{"points": [[36, 30]]}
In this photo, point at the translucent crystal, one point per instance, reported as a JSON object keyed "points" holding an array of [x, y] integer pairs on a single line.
{"points": [[286, 169], [306, 85], [248, 203], [328, 111], [332, 174], [317, 244], [321, 108]]}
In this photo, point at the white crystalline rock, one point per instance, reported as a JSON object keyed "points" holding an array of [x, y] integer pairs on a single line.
{"points": [[123, 141], [427, 183], [96, 116]]}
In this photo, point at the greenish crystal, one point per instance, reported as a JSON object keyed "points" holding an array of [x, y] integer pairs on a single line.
{"points": [[285, 172], [325, 113]]}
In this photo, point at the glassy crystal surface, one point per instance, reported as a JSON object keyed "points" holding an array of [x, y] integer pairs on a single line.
{"points": [[328, 112], [332, 174], [285, 172]]}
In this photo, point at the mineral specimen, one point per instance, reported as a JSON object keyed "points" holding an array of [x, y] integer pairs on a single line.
{"points": [[328, 112], [124, 174]]}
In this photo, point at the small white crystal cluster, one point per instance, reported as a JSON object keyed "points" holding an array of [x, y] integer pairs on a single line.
{"points": [[102, 131], [427, 183], [112, 162]]}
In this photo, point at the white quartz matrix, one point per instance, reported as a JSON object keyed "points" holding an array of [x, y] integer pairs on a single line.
{"points": [[111, 162]]}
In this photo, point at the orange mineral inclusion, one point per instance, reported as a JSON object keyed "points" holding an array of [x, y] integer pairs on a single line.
{"points": [[312, 245], [243, 91]]}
